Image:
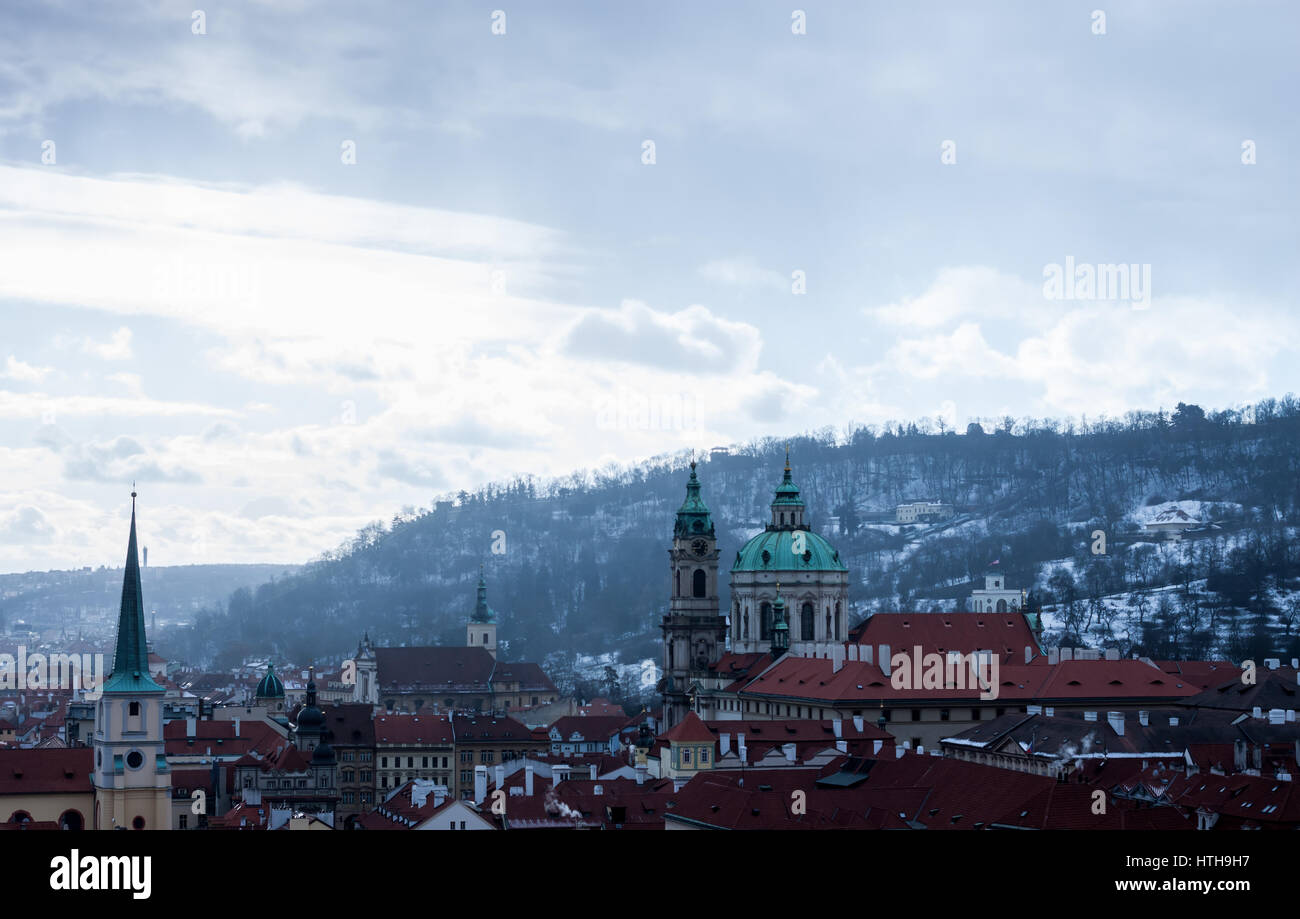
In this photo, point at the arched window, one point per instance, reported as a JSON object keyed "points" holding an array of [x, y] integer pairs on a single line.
{"points": [[765, 622], [1002, 606], [72, 820], [746, 635], [839, 621], [678, 590], [830, 632], [701, 583], [806, 623], [138, 823], [20, 817]]}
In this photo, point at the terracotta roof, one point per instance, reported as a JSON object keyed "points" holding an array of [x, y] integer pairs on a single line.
{"points": [[591, 728], [1008, 634], [49, 771], [489, 729], [689, 730], [410, 730], [433, 668]]}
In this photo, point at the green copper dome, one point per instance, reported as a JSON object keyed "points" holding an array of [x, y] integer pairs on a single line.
{"points": [[773, 550], [270, 686]]}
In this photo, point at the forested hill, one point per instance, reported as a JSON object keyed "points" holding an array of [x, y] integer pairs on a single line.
{"points": [[582, 564]]}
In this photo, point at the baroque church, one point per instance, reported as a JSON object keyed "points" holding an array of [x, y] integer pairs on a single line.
{"points": [[789, 592]]}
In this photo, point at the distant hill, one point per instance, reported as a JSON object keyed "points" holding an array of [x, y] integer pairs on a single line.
{"points": [[583, 567]]}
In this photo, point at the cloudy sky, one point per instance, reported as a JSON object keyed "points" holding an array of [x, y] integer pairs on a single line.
{"points": [[294, 266]]}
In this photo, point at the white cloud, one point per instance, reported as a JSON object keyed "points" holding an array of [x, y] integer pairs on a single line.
{"points": [[22, 372], [117, 348]]}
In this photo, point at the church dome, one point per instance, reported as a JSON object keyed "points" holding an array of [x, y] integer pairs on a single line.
{"points": [[773, 550], [270, 686]]}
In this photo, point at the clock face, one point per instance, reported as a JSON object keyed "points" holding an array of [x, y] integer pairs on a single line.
{"points": [[700, 547]]}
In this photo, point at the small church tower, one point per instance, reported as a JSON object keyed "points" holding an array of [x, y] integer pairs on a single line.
{"points": [[482, 629], [132, 781], [694, 631]]}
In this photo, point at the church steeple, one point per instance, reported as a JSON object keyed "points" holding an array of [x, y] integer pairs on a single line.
{"points": [[482, 612], [131, 658], [693, 516], [787, 505]]}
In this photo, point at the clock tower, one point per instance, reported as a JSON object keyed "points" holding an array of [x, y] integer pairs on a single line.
{"points": [[694, 631]]}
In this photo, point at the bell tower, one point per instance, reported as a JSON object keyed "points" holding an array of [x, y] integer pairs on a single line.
{"points": [[694, 632], [131, 778]]}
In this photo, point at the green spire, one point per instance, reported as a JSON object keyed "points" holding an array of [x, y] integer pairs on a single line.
{"points": [[131, 660], [482, 612], [787, 492], [693, 516], [780, 630]]}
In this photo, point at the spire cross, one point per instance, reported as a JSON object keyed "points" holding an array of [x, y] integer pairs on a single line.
{"points": [[787, 456]]}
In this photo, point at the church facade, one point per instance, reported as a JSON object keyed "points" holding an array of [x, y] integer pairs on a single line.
{"points": [[789, 592]]}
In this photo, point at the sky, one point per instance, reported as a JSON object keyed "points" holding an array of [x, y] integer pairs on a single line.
{"points": [[296, 266]]}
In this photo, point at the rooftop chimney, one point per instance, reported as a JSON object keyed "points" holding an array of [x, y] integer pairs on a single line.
{"points": [[1029, 654], [857, 723], [837, 658], [1050, 712], [1173, 721], [1053, 655], [743, 751], [1257, 712], [528, 779], [884, 659], [1116, 721], [1089, 716], [641, 770], [1277, 716], [843, 745], [724, 742], [790, 751], [837, 725], [480, 784], [1144, 718], [559, 774], [500, 774], [865, 653]]}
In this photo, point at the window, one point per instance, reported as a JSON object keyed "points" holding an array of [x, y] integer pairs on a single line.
{"points": [[467, 756], [366, 756], [135, 710], [185, 821], [466, 776], [425, 762], [916, 714], [686, 756], [138, 823], [700, 583], [806, 624], [704, 755], [383, 762], [943, 714], [765, 622], [916, 743], [410, 762], [974, 714], [367, 775]]}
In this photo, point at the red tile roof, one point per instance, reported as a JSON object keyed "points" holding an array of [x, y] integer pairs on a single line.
{"points": [[409, 730], [689, 730], [1008, 634], [51, 771]]}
